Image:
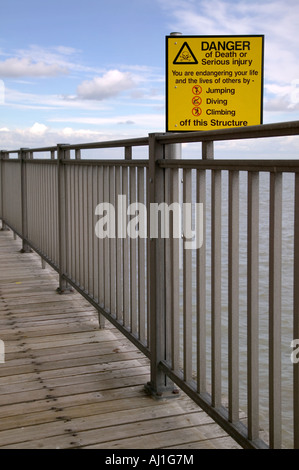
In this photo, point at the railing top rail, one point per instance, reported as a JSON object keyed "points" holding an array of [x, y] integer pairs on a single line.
{"points": [[137, 142], [42, 149], [38, 149], [10, 151], [140, 141], [110, 162], [273, 166], [251, 132]]}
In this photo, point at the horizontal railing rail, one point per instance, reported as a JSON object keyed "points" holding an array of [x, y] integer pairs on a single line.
{"points": [[195, 261]]}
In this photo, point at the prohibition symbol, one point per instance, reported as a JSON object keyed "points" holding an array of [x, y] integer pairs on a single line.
{"points": [[197, 89], [196, 111], [196, 100]]}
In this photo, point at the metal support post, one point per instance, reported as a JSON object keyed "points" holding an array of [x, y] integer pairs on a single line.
{"points": [[208, 150], [63, 153], [24, 155], [3, 156], [160, 385]]}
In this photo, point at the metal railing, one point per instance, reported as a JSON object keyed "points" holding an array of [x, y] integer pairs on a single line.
{"points": [[217, 320]]}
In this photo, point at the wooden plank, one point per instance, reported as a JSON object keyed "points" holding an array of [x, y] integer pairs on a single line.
{"points": [[102, 432], [67, 384], [99, 426], [63, 403], [200, 436]]}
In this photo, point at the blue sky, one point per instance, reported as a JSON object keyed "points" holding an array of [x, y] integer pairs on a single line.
{"points": [[78, 71]]}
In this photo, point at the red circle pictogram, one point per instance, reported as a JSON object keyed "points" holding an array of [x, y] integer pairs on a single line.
{"points": [[197, 89], [196, 100], [196, 111]]}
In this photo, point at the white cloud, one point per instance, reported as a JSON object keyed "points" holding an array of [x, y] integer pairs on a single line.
{"points": [[37, 61], [146, 121], [61, 56], [282, 97], [40, 135], [24, 67], [22, 100], [277, 20], [109, 85], [38, 129]]}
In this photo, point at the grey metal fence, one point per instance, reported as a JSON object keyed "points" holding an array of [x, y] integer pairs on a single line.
{"points": [[217, 318]]}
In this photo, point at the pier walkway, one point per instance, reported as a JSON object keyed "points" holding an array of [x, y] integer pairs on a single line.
{"points": [[67, 384]]}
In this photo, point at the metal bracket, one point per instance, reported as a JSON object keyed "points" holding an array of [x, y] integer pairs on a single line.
{"points": [[168, 393]]}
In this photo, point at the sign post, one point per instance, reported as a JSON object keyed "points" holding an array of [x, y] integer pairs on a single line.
{"points": [[213, 82]]}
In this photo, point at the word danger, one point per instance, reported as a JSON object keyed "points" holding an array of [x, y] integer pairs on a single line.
{"points": [[225, 46]]}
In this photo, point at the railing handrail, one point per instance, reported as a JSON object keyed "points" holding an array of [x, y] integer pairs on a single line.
{"points": [[272, 166], [135, 142], [251, 132], [279, 129]]}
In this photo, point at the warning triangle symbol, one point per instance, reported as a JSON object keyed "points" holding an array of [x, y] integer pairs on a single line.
{"points": [[185, 56]]}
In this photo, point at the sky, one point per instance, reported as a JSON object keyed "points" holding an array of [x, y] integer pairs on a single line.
{"points": [[85, 71]]}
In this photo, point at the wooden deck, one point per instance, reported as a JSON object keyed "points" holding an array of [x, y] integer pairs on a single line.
{"points": [[67, 384]]}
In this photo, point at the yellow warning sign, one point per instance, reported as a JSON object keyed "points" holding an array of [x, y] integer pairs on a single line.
{"points": [[213, 82]]}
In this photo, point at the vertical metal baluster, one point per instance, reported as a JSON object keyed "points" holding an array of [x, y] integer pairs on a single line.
{"points": [[169, 272], [80, 227], [107, 301], [85, 227], [133, 259], [275, 309], [40, 219], [48, 219], [112, 243], [141, 263], [147, 251], [56, 215], [201, 288], [68, 220], [95, 202], [91, 247], [176, 183], [101, 259], [44, 209], [187, 280], [126, 251], [216, 288], [296, 315], [73, 219], [77, 222], [233, 296], [119, 244], [253, 305], [52, 213]]}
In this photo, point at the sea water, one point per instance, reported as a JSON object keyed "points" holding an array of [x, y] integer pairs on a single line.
{"points": [[263, 301]]}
